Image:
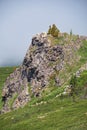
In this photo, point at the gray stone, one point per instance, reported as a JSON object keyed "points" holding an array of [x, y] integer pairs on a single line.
{"points": [[41, 61]]}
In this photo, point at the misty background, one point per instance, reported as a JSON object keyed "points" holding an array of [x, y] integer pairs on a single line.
{"points": [[21, 19]]}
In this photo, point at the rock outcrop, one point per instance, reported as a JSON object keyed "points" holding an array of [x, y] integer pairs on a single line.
{"points": [[34, 72], [42, 60]]}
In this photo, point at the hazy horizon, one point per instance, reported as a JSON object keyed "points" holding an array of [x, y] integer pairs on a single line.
{"points": [[21, 19]]}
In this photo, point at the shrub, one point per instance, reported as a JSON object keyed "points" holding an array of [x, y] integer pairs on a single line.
{"points": [[54, 31]]}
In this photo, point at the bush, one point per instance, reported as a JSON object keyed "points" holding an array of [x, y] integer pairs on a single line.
{"points": [[79, 85], [54, 31]]}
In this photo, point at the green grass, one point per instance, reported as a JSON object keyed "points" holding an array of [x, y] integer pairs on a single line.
{"points": [[72, 68], [12, 99], [4, 73], [83, 52], [82, 84], [47, 113], [56, 114]]}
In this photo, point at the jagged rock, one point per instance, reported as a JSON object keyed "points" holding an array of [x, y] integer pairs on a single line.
{"points": [[83, 67], [41, 61], [57, 81], [34, 70]]}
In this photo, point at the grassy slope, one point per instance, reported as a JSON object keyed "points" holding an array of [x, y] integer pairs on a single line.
{"points": [[53, 114]]}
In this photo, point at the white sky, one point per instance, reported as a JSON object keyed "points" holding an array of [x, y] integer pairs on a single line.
{"points": [[21, 19]]}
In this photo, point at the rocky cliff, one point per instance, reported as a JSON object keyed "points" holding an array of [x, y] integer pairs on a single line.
{"points": [[47, 58]]}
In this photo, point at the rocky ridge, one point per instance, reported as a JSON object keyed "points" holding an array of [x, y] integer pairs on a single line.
{"points": [[42, 61]]}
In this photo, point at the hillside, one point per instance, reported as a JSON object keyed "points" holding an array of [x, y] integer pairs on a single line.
{"points": [[49, 113], [49, 90], [54, 115]]}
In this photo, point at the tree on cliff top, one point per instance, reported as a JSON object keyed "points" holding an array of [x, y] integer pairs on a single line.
{"points": [[54, 31]]}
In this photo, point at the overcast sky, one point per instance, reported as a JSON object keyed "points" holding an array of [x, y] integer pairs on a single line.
{"points": [[21, 19]]}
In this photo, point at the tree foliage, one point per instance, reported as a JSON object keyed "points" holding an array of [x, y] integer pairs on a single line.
{"points": [[54, 31]]}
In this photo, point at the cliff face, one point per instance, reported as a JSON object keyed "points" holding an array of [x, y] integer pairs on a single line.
{"points": [[38, 62], [44, 59]]}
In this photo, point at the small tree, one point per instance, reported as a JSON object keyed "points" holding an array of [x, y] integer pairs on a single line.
{"points": [[54, 31]]}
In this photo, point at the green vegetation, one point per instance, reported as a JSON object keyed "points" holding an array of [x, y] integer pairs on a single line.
{"points": [[80, 59], [82, 84], [79, 86], [54, 31], [83, 52], [49, 112], [4, 73], [12, 99], [52, 114], [56, 114], [73, 84]]}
